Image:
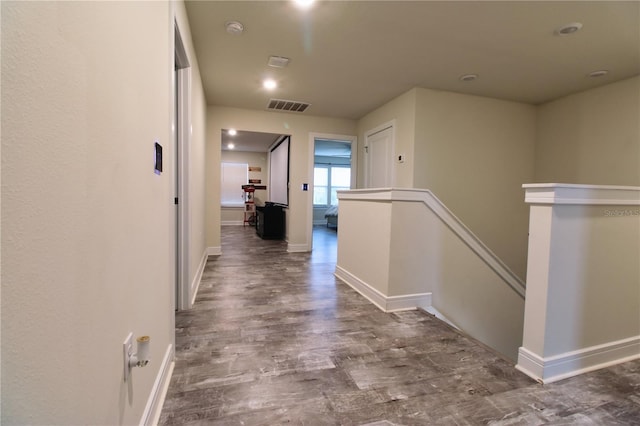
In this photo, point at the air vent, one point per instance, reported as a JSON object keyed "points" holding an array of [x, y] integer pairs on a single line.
{"points": [[283, 105]]}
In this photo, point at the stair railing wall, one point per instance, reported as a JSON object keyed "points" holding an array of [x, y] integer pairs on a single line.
{"points": [[403, 249], [583, 279]]}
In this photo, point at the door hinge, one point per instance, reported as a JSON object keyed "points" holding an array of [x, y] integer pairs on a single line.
{"points": [[175, 201], [366, 149]]}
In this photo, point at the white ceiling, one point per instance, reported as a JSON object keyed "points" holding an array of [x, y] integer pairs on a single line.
{"points": [[350, 57], [248, 141]]}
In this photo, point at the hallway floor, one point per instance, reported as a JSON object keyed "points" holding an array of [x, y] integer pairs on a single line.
{"points": [[274, 338]]}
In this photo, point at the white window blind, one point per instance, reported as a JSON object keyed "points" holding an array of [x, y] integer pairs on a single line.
{"points": [[234, 175]]}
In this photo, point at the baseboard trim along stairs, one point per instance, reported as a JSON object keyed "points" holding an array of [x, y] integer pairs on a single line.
{"points": [[385, 303]]}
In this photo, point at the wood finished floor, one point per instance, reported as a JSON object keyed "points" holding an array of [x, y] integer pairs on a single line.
{"points": [[274, 338]]}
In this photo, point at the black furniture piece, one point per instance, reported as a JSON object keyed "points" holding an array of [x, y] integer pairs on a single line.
{"points": [[270, 223]]}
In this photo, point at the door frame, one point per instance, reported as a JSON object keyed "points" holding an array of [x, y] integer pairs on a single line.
{"points": [[353, 140], [182, 138], [367, 163]]}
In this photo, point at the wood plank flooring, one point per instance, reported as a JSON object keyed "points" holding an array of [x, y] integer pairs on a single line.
{"points": [[274, 338]]}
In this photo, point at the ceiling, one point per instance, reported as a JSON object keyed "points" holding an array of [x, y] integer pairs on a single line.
{"points": [[246, 141], [350, 57]]}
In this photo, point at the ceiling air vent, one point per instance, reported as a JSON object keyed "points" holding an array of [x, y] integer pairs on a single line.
{"points": [[283, 105]]}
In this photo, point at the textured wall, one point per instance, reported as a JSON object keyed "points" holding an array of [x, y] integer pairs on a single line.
{"points": [[88, 228]]}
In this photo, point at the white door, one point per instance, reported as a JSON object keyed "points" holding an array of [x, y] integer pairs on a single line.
{"points": [[379, 158]]}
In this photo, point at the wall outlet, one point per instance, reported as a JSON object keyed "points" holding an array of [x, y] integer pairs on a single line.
{"points": [[127, 350]]}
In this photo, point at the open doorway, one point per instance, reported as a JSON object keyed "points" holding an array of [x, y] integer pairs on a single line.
{"points": [[249, 159], [333, 170]]}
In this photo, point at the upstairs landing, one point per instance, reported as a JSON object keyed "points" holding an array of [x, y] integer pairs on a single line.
{"points": [[275, 338]]}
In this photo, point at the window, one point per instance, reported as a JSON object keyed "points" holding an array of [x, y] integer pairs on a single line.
{"points": [[328, 179], [234, 175]]}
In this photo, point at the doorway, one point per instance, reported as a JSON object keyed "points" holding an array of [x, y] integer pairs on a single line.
{"points": [[333, 162]]}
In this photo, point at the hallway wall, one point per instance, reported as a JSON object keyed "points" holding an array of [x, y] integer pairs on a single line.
{"points": [[298, 126], [88, 228], [197, 163]]}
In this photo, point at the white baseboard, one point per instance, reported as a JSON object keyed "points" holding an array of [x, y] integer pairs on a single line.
{"points": [[385, 303], [151, 414], [231, 223], [569, 364], [214, 251], [195, 284], [297, 248]]}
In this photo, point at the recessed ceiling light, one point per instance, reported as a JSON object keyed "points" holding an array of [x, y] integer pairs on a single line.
{"points": [[469, 77], [230, 146], [278, 61], [598, 73], [232, 132], [234, 27], [304, 4], [269, 84], [567, 29]]}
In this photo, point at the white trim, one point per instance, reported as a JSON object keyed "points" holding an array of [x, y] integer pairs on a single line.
{"points": [[385, 303], [370, 293], [457, 227], [297, 248], [562, 193], [569, 364], [231, 223], [214, 251], [183, 141], [195, 284], [320, 222], [151, 413]]}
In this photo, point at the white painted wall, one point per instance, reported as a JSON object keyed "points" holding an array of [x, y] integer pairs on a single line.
{"points": [[475, 154], [395, 249], [403, 110], [298, 126], [583, 280], [364, 242], [592, 137], [197, 163], [89, 229]]}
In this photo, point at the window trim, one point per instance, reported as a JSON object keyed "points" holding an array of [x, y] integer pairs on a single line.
{"points": [[329, 186], [237, 204]]}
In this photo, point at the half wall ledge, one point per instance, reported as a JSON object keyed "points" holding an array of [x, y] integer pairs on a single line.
{"points": [[582, 300]]}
